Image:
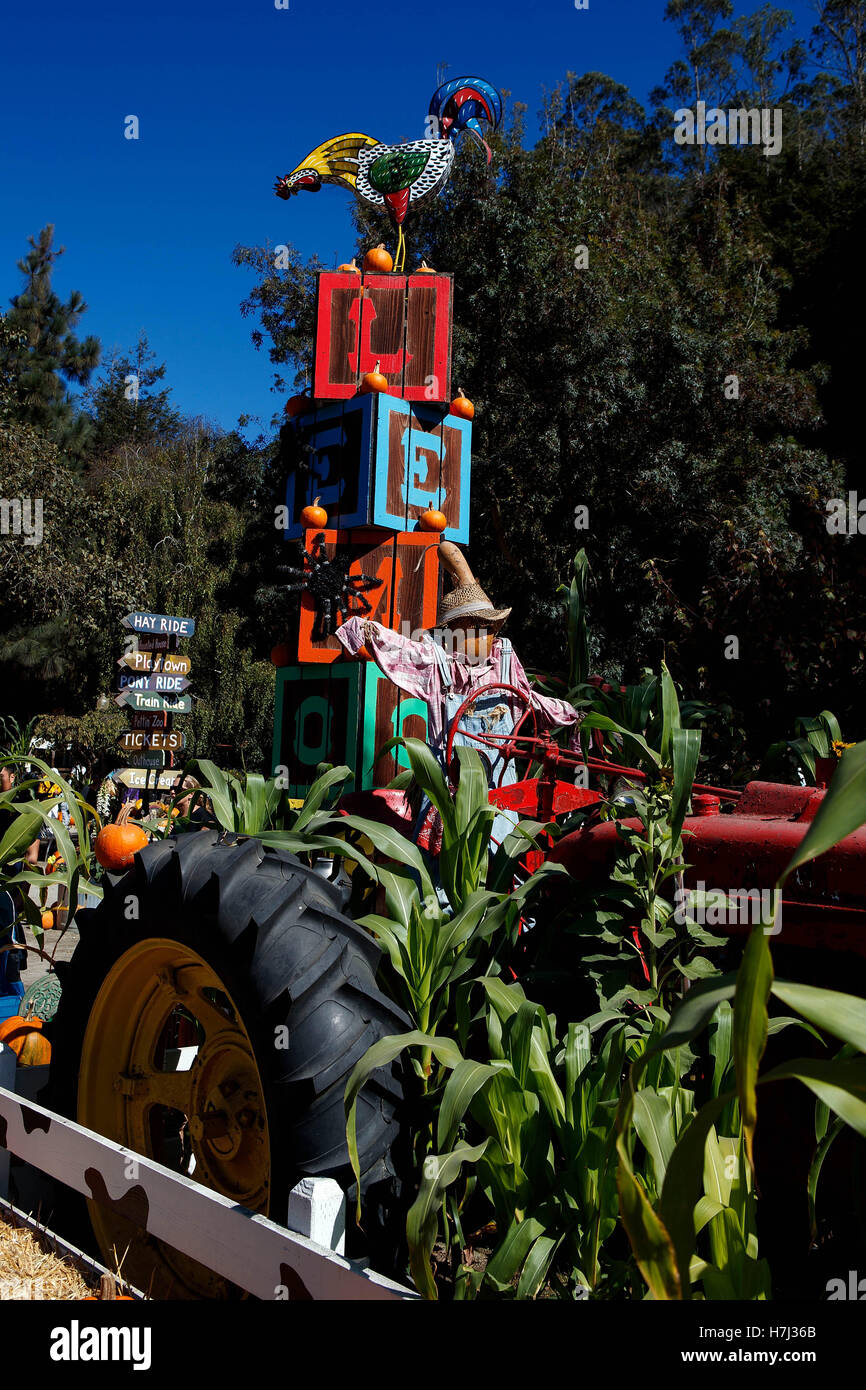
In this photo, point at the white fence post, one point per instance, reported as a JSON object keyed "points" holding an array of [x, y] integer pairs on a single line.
{"points": [[317, 1210]]}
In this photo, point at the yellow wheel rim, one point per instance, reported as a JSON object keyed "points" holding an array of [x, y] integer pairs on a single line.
{"points": [[168, 1070]]}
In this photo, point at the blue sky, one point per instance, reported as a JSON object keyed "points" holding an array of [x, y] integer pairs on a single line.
{"points": [[228, 96]]}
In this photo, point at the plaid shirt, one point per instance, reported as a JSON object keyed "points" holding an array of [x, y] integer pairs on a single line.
{"points": [[413, 668]]}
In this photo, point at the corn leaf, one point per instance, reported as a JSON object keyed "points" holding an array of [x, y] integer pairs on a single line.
{"points": [[842, 1015], [754, 981], [422, 1221], [842, 811]]}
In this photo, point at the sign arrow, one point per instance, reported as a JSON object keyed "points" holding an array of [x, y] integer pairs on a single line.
{"points": [[146, 700], [163, 663], [161, 685], [138, 741], [160, 622]]}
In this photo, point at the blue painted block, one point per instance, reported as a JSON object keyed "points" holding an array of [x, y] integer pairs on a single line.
{"points": [[332, 447], [378, 460], [423, 460]]}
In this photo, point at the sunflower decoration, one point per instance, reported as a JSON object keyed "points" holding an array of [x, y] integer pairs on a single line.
{"points": [[839, 747]]}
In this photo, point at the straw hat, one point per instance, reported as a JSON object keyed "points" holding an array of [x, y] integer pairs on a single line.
{"points": [[469, 601]]}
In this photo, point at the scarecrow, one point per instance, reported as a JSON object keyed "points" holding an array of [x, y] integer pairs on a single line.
{"points": [[464, 653]]}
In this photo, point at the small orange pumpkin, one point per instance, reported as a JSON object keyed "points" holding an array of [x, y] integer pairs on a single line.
{"points": [[425, 269], [280, 654], [378, 260], [297, 405], [117, 844], [26, 1039], [373, 381], [47, 921], [353, 269], [461, 406], [314, 517], [432, 520]]}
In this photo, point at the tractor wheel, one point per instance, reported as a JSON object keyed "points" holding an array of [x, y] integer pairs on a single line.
{"points": [[211, 1014]]}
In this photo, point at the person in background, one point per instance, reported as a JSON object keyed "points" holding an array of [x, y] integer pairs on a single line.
{"points": [[201, 814]]}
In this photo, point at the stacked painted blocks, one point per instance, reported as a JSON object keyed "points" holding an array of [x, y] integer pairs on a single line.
{"points": [[376, 462]]}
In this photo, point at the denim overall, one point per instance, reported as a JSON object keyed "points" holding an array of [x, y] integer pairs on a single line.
{"points": [[490, 714]]}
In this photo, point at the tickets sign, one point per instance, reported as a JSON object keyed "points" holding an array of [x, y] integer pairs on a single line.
{"points": [[138, 740]]}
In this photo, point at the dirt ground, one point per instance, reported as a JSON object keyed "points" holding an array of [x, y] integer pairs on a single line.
{"points": [[56, 945]]}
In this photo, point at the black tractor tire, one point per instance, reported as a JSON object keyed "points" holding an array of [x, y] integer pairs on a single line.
{"points": [[272, 930]]}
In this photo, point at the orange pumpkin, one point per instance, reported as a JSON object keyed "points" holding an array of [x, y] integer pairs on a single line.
{"points": [[296, 405], [378, 260], [26, 1039], [352, 269], [425, 269], [432, 520], [47, 921], [117, 844], [373, 381], [314, 517], [461, 406], [280, 654]]}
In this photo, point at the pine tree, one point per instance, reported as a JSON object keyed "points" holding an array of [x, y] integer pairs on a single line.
{"points": [[42, 355], [126, 410]]}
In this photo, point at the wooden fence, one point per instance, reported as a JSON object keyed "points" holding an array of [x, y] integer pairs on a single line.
{"points": [[265, 1259]]}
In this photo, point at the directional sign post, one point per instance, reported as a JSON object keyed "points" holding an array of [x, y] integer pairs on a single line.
{"points": [[151, 682], [146, 700], [160, 623]]}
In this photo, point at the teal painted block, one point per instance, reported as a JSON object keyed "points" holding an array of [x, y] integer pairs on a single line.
{"points": [[316, 719]]}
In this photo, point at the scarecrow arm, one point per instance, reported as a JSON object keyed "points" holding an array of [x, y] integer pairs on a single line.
{"points": [[410, 665]]}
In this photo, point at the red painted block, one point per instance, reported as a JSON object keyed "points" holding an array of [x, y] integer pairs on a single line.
{"points": [[403, 322]]}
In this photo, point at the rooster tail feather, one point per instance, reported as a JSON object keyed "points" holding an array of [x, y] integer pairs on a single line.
{"points": [[466, 104]]}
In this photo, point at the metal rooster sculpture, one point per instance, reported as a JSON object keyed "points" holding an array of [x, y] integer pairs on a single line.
{"points": [[397, 177]]}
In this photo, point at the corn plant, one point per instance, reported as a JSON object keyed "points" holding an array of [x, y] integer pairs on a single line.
{"points": [[664, 1230], [542, 1109], [30, 815], [818, 737]]}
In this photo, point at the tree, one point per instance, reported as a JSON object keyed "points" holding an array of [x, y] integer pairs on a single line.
{"points": [[127, 412], [44, 355]]}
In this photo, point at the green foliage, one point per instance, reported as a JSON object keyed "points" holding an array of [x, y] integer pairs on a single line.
{"points": [[41, 354], [674, 1223], [793, 759], [128, 412], [32, 812], [157, 534]]}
